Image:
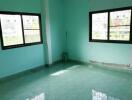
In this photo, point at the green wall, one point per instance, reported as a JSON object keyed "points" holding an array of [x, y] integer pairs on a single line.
{"points": [[77, 26], [54, 10], [19, 59], [56, 13], [69, 16]]}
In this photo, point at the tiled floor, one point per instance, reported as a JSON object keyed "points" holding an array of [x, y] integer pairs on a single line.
{"points": [[69, 82]]}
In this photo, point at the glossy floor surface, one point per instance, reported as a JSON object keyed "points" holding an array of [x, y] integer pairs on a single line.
{"points": [[69, 82]]}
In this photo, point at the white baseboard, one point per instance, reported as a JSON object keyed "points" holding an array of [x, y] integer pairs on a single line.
{"points": [[114, 66], [125, 67]]}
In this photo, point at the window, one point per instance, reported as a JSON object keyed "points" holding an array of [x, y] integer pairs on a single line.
{"points": [[120, 25], [99, 25], [19, 29], [11, 29], [111, 26], [31, 28]]}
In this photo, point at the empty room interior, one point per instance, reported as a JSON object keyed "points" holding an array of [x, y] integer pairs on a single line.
{"points": [[65, 49]]}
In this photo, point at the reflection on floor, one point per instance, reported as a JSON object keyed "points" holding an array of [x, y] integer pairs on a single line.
{"points": [[69, 81], [38, 97], [101, 96]]}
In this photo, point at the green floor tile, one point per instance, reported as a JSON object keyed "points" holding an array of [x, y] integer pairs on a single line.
{"points": [[69, 82]]}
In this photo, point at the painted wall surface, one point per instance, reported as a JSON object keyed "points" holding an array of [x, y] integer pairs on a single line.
{"points": [[56, 14], [69, 16], [19, 59], [77, 26]]}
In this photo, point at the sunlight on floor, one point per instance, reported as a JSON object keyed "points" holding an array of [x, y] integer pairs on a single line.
{"points": [[73, 67], [59, 73], [64, 71]]}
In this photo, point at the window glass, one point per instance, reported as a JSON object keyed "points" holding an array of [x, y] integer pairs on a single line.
{"points": [[120, 33], [31, 29], [32, 36], [120, 18], [120, 25], [30, 22], [11, 29], [99, 26]]}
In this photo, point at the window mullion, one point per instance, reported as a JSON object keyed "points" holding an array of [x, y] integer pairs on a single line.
{"points": [[1, 35], [108, 29], [131, 27], [23, 30]]}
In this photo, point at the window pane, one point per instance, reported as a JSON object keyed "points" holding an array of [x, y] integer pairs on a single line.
{"points": [[30, 22], [99, 26], [11, 29], [120, 33], [32, 36], [120, 18]]}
